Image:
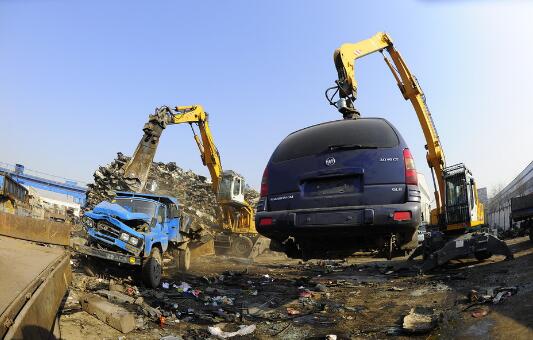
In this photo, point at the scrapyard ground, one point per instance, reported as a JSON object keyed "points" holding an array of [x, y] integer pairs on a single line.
{"points": [[363, 297]]}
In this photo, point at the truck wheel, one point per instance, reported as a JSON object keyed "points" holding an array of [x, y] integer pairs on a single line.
{"points": [[482, 255], [151, 269], [241, 246], [184, 259]]}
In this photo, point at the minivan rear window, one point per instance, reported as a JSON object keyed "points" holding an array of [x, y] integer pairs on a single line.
{"points": [[375, 133]]}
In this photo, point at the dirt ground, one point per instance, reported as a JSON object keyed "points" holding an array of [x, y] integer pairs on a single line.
{"points": [[360, 298]]}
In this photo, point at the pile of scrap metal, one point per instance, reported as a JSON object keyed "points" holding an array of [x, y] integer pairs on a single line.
{"points": [[193, 191]]}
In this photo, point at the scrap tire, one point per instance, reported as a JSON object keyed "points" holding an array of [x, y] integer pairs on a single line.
{"points": [[241, 246], [184, 259], [151, 269], [482, 255]]}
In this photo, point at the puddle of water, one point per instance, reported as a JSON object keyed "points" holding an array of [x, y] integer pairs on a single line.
{"points": [[480, 329]]}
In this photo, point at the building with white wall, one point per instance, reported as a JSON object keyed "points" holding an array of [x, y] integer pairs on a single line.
{"points": [[499, 208]]}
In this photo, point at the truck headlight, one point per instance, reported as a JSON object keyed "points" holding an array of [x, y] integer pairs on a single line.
{"points": [[133, 241], [88, 222], [124, 237]]}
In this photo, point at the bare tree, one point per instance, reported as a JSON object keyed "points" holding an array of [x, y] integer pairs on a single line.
{"points": [[495, 189]]}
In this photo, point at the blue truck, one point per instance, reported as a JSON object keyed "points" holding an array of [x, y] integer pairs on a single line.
{"points": [[137, 229]]}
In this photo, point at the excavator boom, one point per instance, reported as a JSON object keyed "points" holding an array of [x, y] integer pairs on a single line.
{"points": [[210, 157]]}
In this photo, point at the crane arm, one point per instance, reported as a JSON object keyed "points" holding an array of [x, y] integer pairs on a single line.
{"points": [[236, 216], [137, 168], [345, 58], [195, 114]]}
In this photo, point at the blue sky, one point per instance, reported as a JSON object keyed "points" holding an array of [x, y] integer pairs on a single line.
{"points": [[78, 79]]}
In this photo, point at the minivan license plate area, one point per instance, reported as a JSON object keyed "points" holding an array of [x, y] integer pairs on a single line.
{"points": [[352, 217], [332, 186]]}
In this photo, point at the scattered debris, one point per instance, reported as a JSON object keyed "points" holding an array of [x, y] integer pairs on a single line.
{"points": [[116, 297], [244, 330], [480, 312], [395, 289], [292, 311], [420, 320], [494, 295], [115, 316]]}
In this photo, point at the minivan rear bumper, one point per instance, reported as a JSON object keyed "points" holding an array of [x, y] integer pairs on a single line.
{"points": [[332, 223]]}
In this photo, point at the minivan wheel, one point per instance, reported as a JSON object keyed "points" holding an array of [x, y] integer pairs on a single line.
{"points": [[482, 255], [151, 269]]}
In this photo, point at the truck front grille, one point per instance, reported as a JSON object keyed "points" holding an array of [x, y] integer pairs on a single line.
{"points": [[108, 229]]}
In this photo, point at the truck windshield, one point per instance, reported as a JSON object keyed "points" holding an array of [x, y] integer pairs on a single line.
{"points": [[137, 206]]}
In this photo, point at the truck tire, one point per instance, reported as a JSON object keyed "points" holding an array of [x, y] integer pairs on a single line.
{"points": [[241, 246], [184, 259], [151, 269]]}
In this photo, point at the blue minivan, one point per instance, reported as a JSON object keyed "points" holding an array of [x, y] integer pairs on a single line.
{"points": [[339, 187]]}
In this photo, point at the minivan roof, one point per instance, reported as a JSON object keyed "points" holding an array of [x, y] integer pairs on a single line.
{"points": [[339, 120], [364, 132]]}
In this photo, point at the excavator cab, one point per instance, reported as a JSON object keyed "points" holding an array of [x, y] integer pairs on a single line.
{"points": [[461, 201], [231, 189]]}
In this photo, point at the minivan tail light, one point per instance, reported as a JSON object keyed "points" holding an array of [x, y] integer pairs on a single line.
{"points": [[402, 215], [264, 183], [266, 221], [411, 177]]}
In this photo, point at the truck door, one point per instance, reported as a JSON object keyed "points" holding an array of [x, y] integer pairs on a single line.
{"points": [[173, 223], [161, 229]]}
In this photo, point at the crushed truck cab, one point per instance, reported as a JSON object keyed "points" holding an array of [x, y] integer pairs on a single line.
{"points": [[137, 229]]}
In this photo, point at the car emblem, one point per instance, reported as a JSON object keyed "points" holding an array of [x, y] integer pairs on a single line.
{"points": [[330, 161]]}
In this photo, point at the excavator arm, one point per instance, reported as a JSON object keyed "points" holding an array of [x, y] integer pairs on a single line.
{"points": [[137, 168], [345, 57], [237, 215], [210, 157]]}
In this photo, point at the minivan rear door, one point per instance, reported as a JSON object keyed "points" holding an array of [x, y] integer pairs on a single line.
{"points": [[339, 163]]}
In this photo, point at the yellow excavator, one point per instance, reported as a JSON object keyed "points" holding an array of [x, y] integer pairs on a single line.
{"points": [[459, 215], [239, 236]]}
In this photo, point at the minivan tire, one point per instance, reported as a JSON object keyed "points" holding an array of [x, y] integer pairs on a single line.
{"points": [[151, 269], [482, 255]]}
